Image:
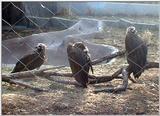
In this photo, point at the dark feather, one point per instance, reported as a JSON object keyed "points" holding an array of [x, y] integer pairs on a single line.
{"points": [[30, 61], [78, 59], [136, 53], [84, 48]]}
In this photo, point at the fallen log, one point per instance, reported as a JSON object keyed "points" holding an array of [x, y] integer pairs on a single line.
{"points": [[45, 73], [152, 65], [120, 88], [102, 79], [31, 73], [108, 57], [125, 76], [41, 72], [64, 82], [118, 72], [11, 81], [92, 79]]}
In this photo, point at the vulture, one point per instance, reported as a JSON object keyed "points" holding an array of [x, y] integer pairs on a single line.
{"points": [[84, 48], [80, 63], [136, 51], [31, 61]]}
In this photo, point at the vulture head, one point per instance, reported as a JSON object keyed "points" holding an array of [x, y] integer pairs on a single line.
{"points": [[131, 29]]}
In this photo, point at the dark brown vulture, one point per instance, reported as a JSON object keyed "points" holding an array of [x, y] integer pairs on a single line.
{"points": [[80, 63], [31, 61], [136, 51], [85, 50]]}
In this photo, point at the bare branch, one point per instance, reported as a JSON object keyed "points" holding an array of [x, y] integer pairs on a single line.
{"points": [[120, 88], [102, 79], [125, 77], [45, 73], [152, 65], [33, 73], [55, 67], [64, 82], [108, 57], [22, 84], [118, 72]]}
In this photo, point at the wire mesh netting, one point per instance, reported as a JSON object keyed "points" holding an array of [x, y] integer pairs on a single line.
{"points": [[30, 16], [56, 24]]}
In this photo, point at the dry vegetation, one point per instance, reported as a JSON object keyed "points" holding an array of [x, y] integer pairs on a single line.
{"points": [[139, 98]]}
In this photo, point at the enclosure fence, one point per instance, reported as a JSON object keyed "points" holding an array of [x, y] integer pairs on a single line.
{"points": [[11, 26]]}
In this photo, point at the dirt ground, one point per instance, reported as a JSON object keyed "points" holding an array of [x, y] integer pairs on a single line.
{"points": [[140, 98]]}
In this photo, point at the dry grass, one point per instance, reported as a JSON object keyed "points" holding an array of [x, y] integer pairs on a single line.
{"points": [[140, 98]]}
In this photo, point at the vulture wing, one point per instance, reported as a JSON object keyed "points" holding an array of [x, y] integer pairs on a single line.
{"points": [[28, 62], [136, 54]]}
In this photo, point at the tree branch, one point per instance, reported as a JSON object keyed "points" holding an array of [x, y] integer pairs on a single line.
{"points": [[33, 73], [152, 65], [22, 84], [92, 79], [45, 73], [120, 88], [125, 77], [64, 82], [108, 57], [102, 79]]}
